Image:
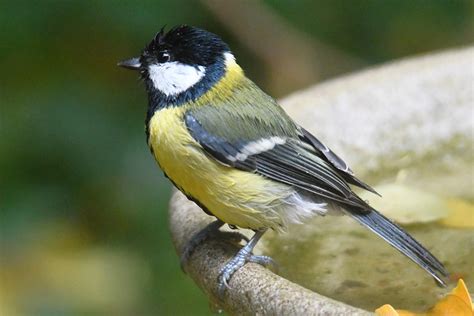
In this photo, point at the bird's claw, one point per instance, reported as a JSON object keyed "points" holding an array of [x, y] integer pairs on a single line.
{"points": [[240, 259], [229, 269], [265, 261]]}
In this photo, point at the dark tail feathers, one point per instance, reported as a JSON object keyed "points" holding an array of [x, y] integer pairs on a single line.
{"points": [[402, 241]]}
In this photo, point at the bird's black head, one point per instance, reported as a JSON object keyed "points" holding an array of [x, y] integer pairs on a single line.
{"points": [[180, 65], [184, 44]]}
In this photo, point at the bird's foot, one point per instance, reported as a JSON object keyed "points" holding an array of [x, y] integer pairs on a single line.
{"points": [[235, 264], [239, 260], [207, 232], [265, 261]]}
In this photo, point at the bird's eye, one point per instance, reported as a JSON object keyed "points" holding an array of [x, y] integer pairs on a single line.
{"points": [[163, 57]]}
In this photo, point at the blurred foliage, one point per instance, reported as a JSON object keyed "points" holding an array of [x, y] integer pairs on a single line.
{"points": [[382, 30], [83, 207]]}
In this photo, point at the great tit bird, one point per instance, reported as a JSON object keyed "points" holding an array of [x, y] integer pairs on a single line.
{"points": [[233, 150]]}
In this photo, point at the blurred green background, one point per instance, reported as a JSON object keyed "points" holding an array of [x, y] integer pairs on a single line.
{"points": [[83, 207]]}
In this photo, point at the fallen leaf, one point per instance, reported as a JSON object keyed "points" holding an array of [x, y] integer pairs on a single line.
{"points": [[406, 204], [456, 303], [461, 214]]}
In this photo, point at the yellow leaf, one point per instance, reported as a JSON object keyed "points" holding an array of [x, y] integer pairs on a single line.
{"points": [[386, 310], [450, 305], [461, 214], [406, 204], [457, 303], [462, 292]]}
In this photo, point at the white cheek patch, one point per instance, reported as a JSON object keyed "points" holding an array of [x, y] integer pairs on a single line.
{"points": [[173, 77]]}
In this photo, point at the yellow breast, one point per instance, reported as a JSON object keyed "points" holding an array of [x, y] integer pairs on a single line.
{"points": [[236, 197]]}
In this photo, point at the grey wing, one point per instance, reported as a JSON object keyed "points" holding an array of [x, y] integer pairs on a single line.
{"points": [[283, 159], [335, 160]]}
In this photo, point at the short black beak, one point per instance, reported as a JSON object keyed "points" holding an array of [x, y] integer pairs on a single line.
{"points": [[132, 63]]}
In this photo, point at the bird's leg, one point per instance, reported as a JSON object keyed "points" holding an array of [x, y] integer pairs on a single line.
{"points": [[240, 259], [210, 230]]}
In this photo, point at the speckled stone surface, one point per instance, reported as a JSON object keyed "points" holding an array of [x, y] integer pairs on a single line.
{"points": [[375, 117], [356, 115]]}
